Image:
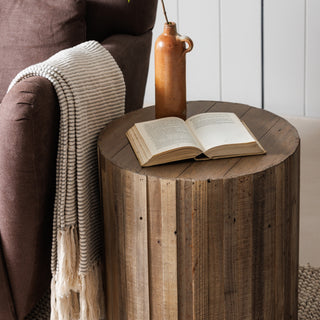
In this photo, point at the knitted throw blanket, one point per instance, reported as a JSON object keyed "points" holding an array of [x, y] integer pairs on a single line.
{"points": [[91, 92]]}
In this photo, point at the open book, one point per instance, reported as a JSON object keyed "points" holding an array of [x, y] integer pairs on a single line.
{"points": [[203, 136]]}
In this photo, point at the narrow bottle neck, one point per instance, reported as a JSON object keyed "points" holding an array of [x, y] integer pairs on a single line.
{"points": [[170, 29]]}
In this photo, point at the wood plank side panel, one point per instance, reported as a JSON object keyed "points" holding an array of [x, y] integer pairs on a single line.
{"points": [[230, 250], [200, 250], [257, 252], [184, 234], [162, 228], [126, 258], [293, 167], [216, 300], [269, 247], [264, 237], [280, 242], [169, 245], [155, 249], [116, 306], [136, 244], [243, 226]]}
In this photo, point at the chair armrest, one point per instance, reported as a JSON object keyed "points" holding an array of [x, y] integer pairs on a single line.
{"points": [[132, 54], [29, 120]]}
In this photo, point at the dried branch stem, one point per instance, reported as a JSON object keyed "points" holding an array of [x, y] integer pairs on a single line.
{"points": [[164, 11]]}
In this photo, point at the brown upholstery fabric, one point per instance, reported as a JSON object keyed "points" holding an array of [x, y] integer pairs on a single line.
{"points": [[106, 17], [33, 30], [29, 130], [7, 310], [132, 55]]}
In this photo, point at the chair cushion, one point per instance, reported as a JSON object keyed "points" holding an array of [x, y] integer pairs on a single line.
{"points": [[107, 17], [33, 30], [132, 55]]}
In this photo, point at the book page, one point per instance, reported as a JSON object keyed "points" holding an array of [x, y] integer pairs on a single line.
{"points": [[166, 134], [218, 128]]}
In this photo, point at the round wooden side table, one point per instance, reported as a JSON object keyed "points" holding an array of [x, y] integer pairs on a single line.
{"points": [[207, 240]]}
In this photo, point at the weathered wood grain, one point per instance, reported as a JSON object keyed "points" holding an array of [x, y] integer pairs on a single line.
{"points": [[162, 249], [210, 240]]}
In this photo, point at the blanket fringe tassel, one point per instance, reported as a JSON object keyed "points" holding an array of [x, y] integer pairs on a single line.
{"points": [[75, 296]]}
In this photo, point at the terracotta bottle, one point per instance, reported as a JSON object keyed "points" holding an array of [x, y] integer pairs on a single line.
{"points": [[170, 72]]}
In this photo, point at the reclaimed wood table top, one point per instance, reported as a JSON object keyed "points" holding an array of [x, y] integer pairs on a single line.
{"points": [[279, 138]]}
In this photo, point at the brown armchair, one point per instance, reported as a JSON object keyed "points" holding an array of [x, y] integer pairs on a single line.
{"points": [[30, 32]]}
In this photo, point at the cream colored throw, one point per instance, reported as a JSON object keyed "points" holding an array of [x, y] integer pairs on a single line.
{"points": [[91, 92]]}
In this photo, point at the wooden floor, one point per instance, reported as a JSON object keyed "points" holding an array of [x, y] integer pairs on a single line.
{"points": [[309, 130]]}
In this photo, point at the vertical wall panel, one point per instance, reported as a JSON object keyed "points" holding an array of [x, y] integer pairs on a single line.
{"points": [[200, 21], [172, 13], [312, 58], [225, 63], [284, 25], [241, 51]]}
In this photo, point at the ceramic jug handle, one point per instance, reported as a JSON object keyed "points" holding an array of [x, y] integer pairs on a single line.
{"points": [[188, 41]]}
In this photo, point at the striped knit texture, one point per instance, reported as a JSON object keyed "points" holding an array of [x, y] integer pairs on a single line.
{"points": [[91, 92]]}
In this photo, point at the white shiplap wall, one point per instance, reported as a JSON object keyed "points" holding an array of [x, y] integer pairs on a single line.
{"points": [[226, 62], [203, 27], [241, 51], [284, 56], [312, 42]]}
